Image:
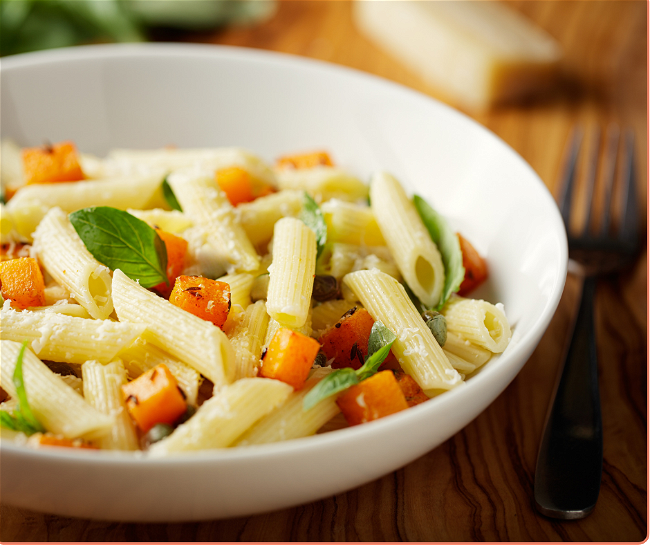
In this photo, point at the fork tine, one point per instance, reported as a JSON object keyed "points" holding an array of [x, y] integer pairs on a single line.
{"points": [[591, 178], [629, 214], [611, 155], [569, 175]]}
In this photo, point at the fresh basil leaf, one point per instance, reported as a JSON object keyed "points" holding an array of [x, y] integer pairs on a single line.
{"points": [[168, 193], [121, 241], [23, 416], [371, 365], [312, 216], [335, 382], [448, 245], [8, 421], [380, 336]]}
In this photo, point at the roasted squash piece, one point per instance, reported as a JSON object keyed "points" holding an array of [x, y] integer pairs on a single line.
{"points": [[22, 282], [475, 267], [373, 398], [154, 398], [411, 389], [239, 186], [208, 299], [51, 440], [176, 253], [55, 163], [305, 160], [347, 340], [289, 357]]}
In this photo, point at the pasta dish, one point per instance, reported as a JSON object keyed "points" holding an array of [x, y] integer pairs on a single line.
{"points": [[183, 299]]}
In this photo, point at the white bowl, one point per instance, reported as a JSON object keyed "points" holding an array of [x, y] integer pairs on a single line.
{"points": [[146, 96]]}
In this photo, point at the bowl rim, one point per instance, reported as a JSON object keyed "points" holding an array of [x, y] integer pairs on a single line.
{"points": [[306, 445]]}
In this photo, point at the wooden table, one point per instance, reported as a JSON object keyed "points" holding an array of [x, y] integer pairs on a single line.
{"points": [[478, 486]]}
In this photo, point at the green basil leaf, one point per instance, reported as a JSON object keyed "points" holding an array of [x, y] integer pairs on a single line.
{"points": [[449, 247], [121, 241], [380, 336], [335, 382], [371, 365], [312, 216], [8, 421], [23, 412], [168, 193]]}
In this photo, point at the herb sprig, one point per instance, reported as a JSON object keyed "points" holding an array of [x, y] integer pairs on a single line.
{"points": [[448, 245], [169, 195], [312, 216], [22, 419], [119, 240], [379, 344]]}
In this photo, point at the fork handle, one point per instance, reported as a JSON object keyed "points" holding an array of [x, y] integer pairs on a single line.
{"points": [[570, 459]]}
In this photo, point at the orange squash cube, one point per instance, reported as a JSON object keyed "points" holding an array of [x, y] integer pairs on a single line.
{"points": [[305, 160], [154, 398], [22, 282], [206, 298], [176, 252], [475, 267], [236, 183], [56, 163], [411, 389], [347, 340], [373, 398], [239, 186], [51, 440], [289, 357]]}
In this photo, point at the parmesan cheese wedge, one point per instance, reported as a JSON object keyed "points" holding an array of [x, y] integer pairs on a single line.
{"points": [[474, 53]]}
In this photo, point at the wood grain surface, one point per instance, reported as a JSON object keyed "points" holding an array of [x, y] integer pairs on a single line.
{"points": [[478, 486]]}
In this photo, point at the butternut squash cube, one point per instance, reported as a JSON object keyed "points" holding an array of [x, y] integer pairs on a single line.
{"points": [[373, 398], [56, 163], [154, 398], [289, 357], [22, 282]]}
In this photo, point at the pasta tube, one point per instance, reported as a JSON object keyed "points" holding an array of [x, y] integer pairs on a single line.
{"points": [[291, 273], [416, 349], [57, 406], [226, 416], [479, 322], [202, 200], [58, 337], [65, 257], [192, 340], [28, 207], [290, 421], [102, 386], [415, 254]]}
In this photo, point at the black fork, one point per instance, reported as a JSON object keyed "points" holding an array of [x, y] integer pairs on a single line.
{"points": [[569, 464]]}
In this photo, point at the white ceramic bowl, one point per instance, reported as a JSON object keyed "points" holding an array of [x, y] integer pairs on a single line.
{"points": [[146, 96]]}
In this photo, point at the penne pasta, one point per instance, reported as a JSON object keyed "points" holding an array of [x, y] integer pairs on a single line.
{"points": [[102, 387], [67, 260], [289, 421], [58, 337], [57, 406], [213, 215], [415, 348], [199, 343], [225, 416], [291, 273], [415, 254], [479, 322], [30, 204]]}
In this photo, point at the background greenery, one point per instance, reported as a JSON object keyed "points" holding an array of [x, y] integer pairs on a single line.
{"points": [[30, 25]]}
